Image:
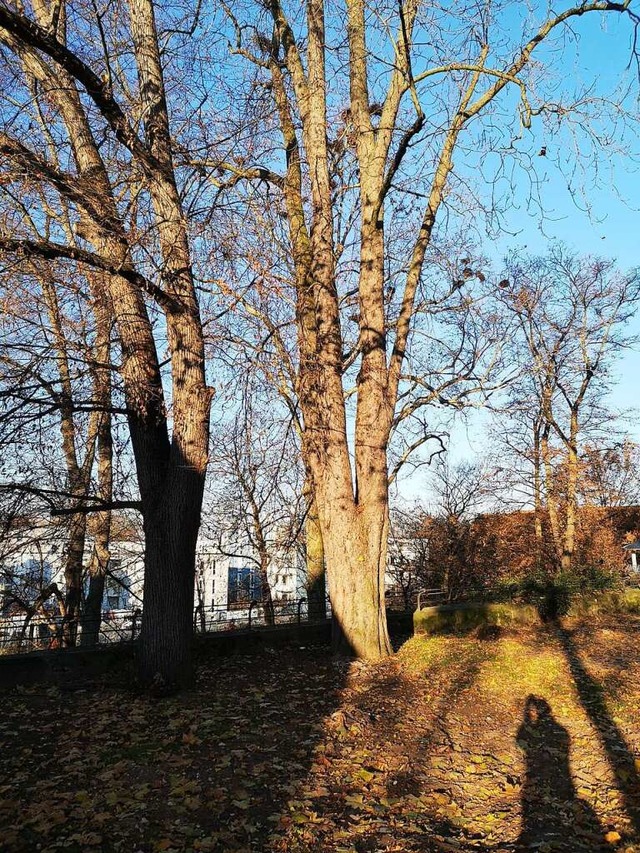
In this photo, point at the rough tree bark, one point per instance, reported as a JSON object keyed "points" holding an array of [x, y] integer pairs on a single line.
{"points": [[353, 503], [171, 470]]}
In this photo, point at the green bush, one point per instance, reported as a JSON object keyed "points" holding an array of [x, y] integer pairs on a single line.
{"points": [[557, 595], [609, 602]]}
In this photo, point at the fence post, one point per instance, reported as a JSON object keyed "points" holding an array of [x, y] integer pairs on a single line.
{"points": [[301, 601], [251, 606]]}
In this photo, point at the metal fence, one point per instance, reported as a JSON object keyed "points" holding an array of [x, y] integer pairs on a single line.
{"points": [[20, 633], [414, 599]]}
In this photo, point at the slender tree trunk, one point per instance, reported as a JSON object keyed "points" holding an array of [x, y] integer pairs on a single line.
{"points": [[572, 488], [78, 474], [73, 571], [100, 523], [550, 492], [265, 586], [92, 611], [316, 580], [537, 497]]}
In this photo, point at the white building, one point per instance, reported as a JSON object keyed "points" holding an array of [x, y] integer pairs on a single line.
{"points": [[228, 589]]}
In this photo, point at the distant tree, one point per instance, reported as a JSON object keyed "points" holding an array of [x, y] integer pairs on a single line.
{"points": [[571, 313], [460, 491], [408, 553], [610, 476], [257, 495], [55, 379]]}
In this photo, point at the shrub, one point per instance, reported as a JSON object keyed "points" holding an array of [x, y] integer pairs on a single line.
{"points": [[555, 595]]}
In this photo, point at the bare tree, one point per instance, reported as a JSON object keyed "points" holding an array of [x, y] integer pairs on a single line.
{"points": [[400, 104], [460, 493], [90, 100], [258, 505], [408, 553], [610, 476], [571, 313], [55, 355]]}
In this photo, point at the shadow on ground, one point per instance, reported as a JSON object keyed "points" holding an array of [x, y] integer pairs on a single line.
{"points": [[552, 812], [592, 698], [288, 751]]}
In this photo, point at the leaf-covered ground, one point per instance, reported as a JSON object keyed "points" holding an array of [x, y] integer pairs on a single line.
{"points": [[527, 741]]}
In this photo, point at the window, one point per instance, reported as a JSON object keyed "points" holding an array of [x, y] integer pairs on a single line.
{"points": [[29, 578], [116, 592], [244, 586]]}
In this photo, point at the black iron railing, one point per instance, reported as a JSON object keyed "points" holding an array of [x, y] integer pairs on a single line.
{"points": [[20, 633]]}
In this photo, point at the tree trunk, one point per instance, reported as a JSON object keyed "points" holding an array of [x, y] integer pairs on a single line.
{"points": [[92, 611], [537, 497], [172, 517], [316, 582], [572, 488], [356, 553], [550, 491], [164, 655], [265, 586], [100, 523], [74, 561]]}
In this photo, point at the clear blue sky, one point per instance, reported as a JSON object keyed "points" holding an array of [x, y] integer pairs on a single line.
{"points": [[610, 228]]}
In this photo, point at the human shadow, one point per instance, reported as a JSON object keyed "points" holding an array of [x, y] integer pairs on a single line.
{"points": [[619, 755], [552, 812]]}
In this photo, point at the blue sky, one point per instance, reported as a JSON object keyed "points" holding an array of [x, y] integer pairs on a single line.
{"points": [[610, 228]]}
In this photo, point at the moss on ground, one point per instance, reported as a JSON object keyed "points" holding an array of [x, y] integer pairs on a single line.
{"points": [[467, 617]]}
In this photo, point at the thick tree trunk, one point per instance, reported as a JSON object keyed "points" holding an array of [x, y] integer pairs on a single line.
{"points": [[355, 553], [172, 516], [164, 655]]}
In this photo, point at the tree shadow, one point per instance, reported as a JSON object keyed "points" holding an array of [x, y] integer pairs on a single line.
{"points": [[551, 809], [219, 765], [390, 799], [619, 755]]}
